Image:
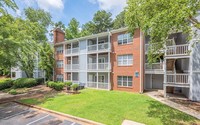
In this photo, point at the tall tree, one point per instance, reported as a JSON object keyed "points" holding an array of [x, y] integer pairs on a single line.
{"points": [[102, 21], [7, 3], [72, 31], [119, 22], [47, 60], [88, 28], [160, 18], [60, 25]]}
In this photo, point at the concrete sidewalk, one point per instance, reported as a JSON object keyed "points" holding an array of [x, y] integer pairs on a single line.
{"points": [[155, 95]]}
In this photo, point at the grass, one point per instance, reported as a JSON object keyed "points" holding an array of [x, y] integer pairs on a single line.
{"points": [[112, 107]]}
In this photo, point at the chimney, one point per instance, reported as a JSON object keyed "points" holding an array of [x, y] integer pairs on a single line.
{"points": [[58, 35]]}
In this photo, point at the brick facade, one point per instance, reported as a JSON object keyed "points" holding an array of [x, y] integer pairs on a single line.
{"points": [[132, 48]]}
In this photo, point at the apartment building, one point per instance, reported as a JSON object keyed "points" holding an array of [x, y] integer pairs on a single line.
{"points": [[117, 60], [111, 60]]}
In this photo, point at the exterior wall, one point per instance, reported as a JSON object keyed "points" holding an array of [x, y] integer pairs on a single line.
{"points": [[195, 74], [134, 49], [153, 81]]}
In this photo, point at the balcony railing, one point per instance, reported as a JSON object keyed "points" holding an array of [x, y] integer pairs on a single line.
{"points": [[101, 66], [100, 47], [72, 51], [154, 66], [98, 85], [72, 67], [177, 78], [177, 50]]}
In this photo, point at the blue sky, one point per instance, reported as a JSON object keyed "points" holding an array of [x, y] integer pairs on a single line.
{"points": [[64, 10]]}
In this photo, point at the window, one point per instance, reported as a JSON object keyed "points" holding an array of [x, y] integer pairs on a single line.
{"points": [[59, 78], [125, 81], [125, 60], [125, 39], [59, 64], [59, 49]]}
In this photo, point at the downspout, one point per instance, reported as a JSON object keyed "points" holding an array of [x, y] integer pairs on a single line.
{"points": [[141, 62]]}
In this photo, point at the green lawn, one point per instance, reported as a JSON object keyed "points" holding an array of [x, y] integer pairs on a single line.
{"points": [[112, 107]]}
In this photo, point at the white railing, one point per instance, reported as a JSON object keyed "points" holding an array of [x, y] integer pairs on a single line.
{"points": [[98, 85], [72, 51], [72, 67], [156, 66], [101, 66], [177, 78], [92, 47], [177, 50], [91, 84], [103, 46]]}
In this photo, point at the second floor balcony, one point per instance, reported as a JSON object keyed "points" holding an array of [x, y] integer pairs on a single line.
{"points": [[70, 67], [99, 47], [72, 51], [177, 79], [156, 68], [99, 66]]}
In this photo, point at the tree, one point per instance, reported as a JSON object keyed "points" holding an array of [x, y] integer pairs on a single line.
{"points": [[119, 22], [72, 31], [88, 28], [46, 59], [160, 18], [7, 3], [60, 25]]}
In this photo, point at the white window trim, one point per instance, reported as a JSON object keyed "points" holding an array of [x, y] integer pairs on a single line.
{"points": [[129, 41], [59, 64], [59, 49], [127, 60], [59, 77], [123, 81]]}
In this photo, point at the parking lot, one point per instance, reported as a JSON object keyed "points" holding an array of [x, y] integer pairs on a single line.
{"points": [[14, 114]]}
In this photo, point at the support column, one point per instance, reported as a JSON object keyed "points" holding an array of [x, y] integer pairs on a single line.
{"points": [[71, 63], [64, 62], [165, 91], [97, 61], [97, 43], [151, 81], [71, 76]]}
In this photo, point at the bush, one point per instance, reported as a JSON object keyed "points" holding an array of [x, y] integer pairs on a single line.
{"points": [[25, 82], [6, 83], [75, 87], [56, 85], [13, 92], [40, 81], [68, 83]]}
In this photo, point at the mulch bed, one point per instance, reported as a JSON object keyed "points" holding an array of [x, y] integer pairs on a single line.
{"points": [[188, 103]]}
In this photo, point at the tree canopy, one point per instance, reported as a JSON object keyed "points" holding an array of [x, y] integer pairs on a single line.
{"points": [[7, 3], [119, 22], [160, 18]]}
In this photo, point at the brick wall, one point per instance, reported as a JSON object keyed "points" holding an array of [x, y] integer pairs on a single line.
{"points": [[134, 49]]}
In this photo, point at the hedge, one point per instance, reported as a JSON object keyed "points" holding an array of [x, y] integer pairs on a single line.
{"points": [[25, 82], [5, 83], [56, 85], [39, 80]]}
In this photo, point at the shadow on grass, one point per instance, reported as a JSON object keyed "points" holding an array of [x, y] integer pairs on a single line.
{"points": [[168, 115]]}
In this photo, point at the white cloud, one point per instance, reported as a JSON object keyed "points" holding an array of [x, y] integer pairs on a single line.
{"points": [[114, 6], [50, 4]]}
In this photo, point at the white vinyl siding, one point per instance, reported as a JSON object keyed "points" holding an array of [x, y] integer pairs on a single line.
{"points": [[59, 64], [59, 49], [59, 78], [125, 60], [125, 39], [125, 81]]}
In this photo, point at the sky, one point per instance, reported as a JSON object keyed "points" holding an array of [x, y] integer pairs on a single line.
{"points": [[65, 10]]}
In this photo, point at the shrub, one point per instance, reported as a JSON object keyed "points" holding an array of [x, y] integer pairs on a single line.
{"points": [[25, 82], [56, 85], [13, 92], [6, 83], [75, 87], [39, 80], [68, 83]]}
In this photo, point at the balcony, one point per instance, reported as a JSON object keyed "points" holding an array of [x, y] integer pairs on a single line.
{"points": [[72, 51], [69, 67], [178, 50], [99, 47], [177, 79], [101, 66], [154, 68], [98, 85]]}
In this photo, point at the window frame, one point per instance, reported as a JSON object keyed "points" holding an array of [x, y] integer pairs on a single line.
{"points": [[124, 60], [124, 39], [59, 49], [59, 77], [59, 64], [124, 81]]}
